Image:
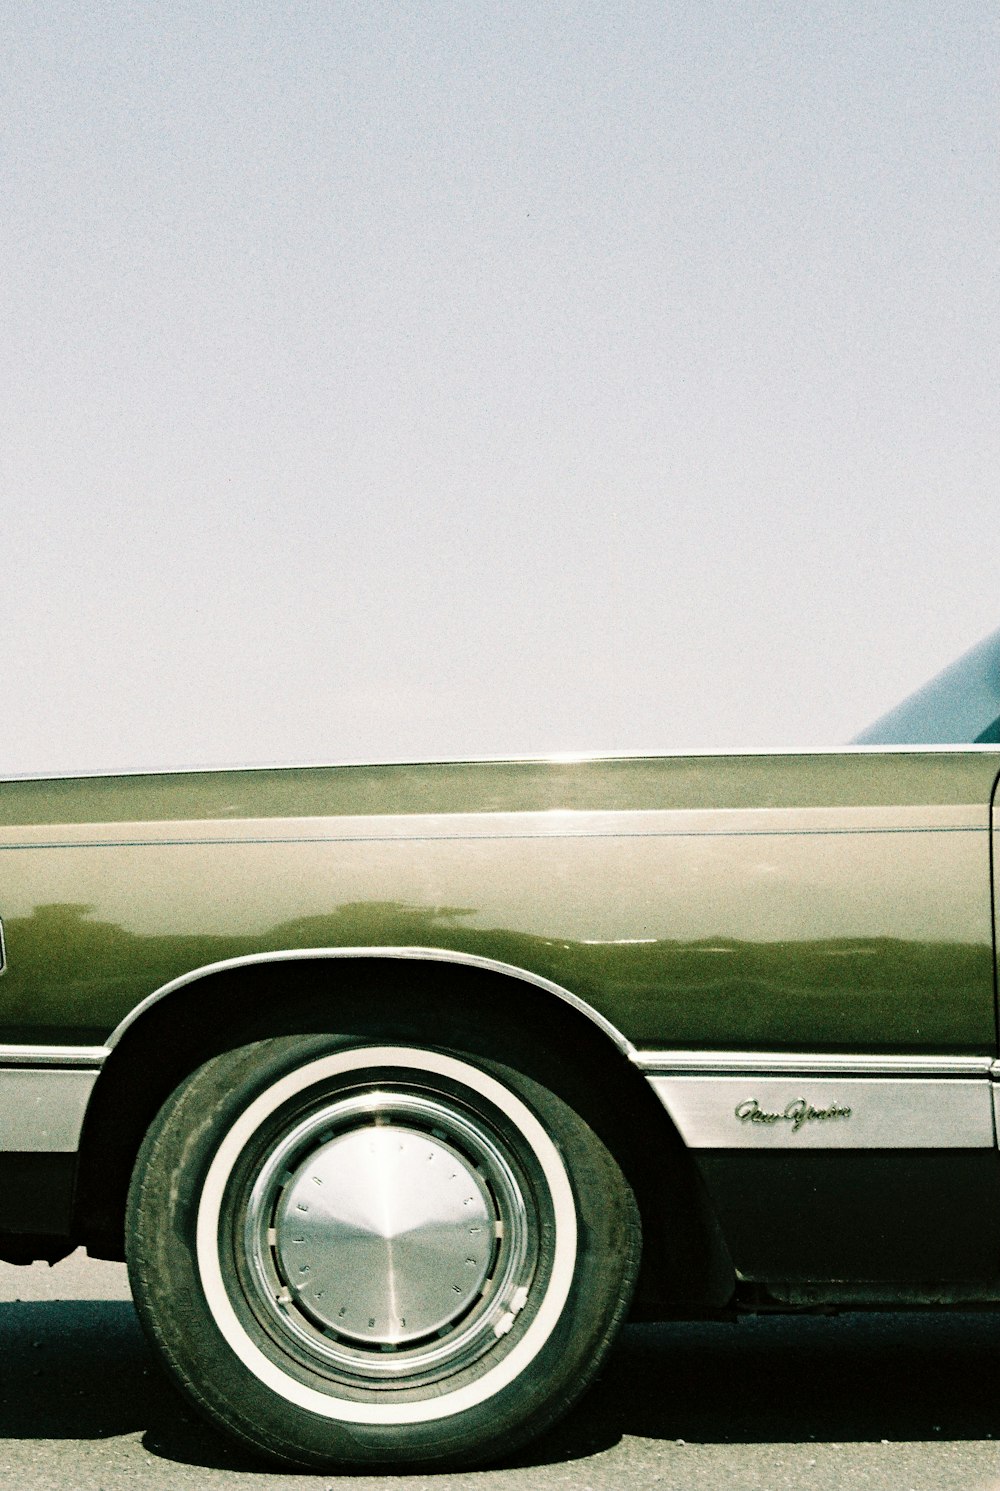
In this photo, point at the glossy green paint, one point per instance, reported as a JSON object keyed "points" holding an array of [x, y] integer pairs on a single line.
{"points": [[836, 902]]}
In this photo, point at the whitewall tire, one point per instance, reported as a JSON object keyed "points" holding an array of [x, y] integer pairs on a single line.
{"points": [[361, 1255]]}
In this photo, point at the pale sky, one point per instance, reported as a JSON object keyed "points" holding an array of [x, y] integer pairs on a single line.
{"points": [[390, 381]]}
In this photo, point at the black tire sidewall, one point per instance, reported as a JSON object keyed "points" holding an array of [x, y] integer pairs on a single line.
{"points": [[162, 1222]]}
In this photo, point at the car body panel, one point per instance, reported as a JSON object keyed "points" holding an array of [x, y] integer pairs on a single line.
{"points": [[762, 936], [815, 902]]}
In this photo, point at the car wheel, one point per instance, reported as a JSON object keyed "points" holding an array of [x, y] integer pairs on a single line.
{"points": [[377, 1255]]}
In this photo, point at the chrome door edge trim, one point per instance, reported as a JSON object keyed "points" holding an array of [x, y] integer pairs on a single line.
{"points": [[778, 1063], [53, 1056], [410, 954], [801, 1111]]}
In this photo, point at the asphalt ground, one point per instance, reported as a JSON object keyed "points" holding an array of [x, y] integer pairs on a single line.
{"points": [[901, 1402]]}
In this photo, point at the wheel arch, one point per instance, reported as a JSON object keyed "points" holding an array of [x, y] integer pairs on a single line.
{"points": [[492, 1009], [370, 954]]}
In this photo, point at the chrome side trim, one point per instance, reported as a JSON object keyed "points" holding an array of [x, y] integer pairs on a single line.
{"points": [[554, 824], [410, 954], [754, 1112], [834, 1065], [53, 1056], [552, 758], [42, 1109]]}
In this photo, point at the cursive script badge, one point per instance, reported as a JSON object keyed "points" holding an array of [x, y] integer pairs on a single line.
{"points": [[798, 1113]]}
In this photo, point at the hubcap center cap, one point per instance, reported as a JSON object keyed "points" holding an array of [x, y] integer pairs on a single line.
{"points": [[385, 1234]]}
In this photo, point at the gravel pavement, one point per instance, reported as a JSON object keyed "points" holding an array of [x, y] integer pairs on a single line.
{"points": [[894, 1402]]}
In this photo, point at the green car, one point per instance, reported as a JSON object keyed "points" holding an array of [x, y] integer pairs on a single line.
{"points": [[401, 1087]]}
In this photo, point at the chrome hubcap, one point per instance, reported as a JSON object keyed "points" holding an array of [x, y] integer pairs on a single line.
{"points": [[389, 1238], [385, 1235]]}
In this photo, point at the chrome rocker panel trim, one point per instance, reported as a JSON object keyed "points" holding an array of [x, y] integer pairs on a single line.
{"points": [[765, 1100], [835, 1064], [42, 1108], [54, 1056], [717, 1100]]}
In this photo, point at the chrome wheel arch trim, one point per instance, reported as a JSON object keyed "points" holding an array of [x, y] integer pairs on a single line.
{"points": [[403, 954]]}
